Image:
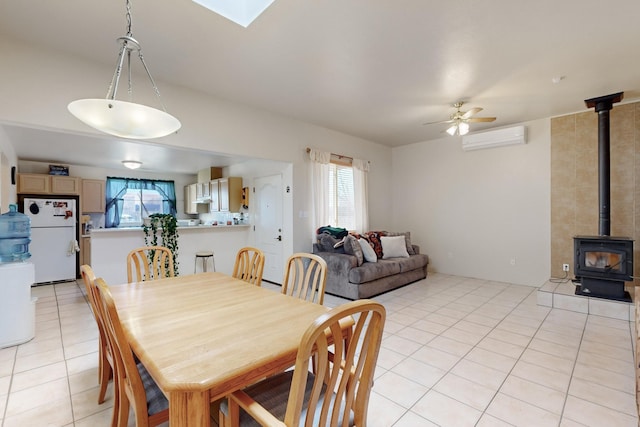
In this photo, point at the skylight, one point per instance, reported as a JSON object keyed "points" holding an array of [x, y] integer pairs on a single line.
{"points": [[242, 12]]}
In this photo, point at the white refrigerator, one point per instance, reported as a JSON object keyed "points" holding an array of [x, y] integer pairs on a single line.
{"points": [[53, 244]]}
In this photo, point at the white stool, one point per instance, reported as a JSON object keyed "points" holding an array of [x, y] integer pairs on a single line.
{"points": [[204, 256]]}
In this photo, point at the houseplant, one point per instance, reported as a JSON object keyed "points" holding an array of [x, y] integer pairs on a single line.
{"points": [[166, 226]]}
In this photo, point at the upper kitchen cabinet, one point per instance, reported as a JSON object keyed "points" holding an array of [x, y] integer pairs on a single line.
{"points": [[65, 185], [226, 195], [191, 204], [92, 196], [34, 183], [30, 183], [203, 192]]}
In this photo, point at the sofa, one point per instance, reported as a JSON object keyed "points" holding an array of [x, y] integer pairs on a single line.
{"points": [[353, 275]]}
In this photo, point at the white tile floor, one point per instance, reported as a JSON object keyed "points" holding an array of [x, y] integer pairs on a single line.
{"points": [[456, 352]]}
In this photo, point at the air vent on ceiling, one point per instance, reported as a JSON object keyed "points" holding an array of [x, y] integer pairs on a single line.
{"points": [[495, 138]]}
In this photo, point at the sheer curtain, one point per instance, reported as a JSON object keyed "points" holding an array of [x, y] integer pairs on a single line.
{"points": [[361, 193], [319, 191]]}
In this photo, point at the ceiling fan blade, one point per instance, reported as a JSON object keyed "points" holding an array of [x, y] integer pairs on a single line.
{"points": [[471, 112], [480, 119], [440, 122]]}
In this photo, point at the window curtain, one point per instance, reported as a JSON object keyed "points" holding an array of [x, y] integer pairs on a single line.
{"points": [[117, 187], [319, 191], [361, 193]]}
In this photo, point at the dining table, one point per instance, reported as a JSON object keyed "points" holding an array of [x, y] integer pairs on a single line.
{"points": [[205, 335]]}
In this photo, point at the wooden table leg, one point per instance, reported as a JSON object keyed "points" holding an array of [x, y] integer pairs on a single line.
{"points": [[189, 409]]}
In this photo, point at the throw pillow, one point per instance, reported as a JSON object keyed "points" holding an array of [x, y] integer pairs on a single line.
{"points": [[394, 247], [374, 240], [327, 242], [407, 238], [352, 247], [367, 251]]}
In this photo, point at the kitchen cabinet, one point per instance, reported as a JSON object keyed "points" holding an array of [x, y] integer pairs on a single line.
{"points": [[85, 250], [203, 192], [33, 183], [92, 196], [65, 184], [190, 199], [226, 195]]}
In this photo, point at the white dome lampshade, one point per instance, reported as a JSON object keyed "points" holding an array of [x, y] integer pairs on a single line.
{"points": [[122, 118]]}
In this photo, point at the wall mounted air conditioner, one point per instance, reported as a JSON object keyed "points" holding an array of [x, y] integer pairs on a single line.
{"points": [[495, 138]]}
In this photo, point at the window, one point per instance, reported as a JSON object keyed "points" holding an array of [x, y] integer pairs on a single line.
{"points": [[339, 191], [130, 201], [341, 196]]}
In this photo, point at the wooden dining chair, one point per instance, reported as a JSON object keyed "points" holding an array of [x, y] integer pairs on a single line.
{"points": [[149, 263], [105, 356], [137, 390], [305, 277], [337, 395], [249, 265]]}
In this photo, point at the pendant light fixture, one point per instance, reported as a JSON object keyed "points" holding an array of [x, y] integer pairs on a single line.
{"points": [[126, 119]]}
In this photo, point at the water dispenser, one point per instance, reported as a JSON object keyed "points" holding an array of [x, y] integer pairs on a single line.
{"points": [[15, 235]]}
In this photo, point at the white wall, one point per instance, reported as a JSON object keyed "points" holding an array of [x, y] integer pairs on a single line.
{"points": [[38, 84], [476, 213], [7, 160]]}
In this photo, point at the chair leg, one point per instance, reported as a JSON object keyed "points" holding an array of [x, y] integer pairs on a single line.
{"points": [[105, 376], [123, 409], [105, 373]]}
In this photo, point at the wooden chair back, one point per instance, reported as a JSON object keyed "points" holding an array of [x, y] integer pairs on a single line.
{"points": [[105, 356], [130, 384], [249, 265], [149, 263], [305, 277], [347, 370]]}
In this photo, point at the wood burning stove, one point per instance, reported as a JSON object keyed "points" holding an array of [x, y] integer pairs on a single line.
{"points": [[603, 264]]}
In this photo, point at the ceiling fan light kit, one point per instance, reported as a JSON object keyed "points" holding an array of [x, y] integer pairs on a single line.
{"points": [[126, 119], [460, 120]]}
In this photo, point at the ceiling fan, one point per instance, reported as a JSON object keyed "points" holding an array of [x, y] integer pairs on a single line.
{"points": [[460, 120]]}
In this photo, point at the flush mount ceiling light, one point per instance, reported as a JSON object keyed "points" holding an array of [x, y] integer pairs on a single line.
{"points": [[131, 164], [125, 119], [242, 12]]}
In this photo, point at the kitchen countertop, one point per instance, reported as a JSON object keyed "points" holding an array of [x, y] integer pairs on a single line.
{"points": [[180, 228]]}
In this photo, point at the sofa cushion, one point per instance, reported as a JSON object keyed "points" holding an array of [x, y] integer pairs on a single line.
{"points": [[367, 251], [352, 247], [394, 247], [374, 270], [412, 263]]}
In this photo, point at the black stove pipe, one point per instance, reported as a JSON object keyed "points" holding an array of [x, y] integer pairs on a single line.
{"points": [[602, 107]]}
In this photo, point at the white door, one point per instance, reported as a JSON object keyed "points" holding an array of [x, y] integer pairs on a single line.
{"points": [[268, 221]]}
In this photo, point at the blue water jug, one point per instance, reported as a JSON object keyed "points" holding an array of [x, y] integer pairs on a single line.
{"points": [[15, 233]]}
